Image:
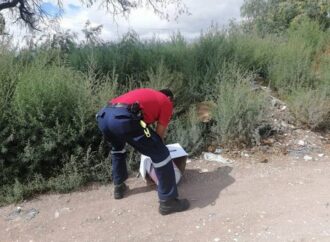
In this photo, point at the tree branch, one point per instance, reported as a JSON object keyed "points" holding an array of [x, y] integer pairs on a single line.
{"points": [[11, 4], [26, 14]]}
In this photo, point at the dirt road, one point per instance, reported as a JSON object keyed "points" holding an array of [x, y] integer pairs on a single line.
{"points": [[285, 199]]}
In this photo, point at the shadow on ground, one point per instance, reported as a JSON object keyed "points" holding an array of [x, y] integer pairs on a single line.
{"points": [[203, 189], [143, 189]]}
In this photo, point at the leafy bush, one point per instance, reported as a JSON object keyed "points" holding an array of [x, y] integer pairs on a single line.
{"points": [[188, 131], [239, 108], [292, 64], [311, 107], [252, 52], [8, 78], [322, 65], [307, 31], [52, 112], [209, 54], [52, 131]]}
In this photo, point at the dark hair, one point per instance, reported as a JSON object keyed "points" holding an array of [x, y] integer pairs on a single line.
{"points": [[168, 93]]}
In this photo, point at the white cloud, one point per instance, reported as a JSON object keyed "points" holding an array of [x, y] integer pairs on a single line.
{"points": [[146, 23]]}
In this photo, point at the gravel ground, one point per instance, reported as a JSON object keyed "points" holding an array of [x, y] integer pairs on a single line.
{"points": [[284, 199]]}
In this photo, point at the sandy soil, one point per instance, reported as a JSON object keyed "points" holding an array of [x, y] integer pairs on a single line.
{"points": [[285, 199]]}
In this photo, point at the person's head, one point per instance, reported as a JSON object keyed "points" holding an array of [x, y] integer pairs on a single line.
{"points": [[168, 93]]}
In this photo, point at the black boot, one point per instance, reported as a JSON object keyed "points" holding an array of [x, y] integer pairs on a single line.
{"points": [[120, 190], [173, 205]]}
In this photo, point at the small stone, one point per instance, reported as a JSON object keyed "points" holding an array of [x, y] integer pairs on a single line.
{"points": [[216, 239], [269, 141], [284, 124], [57, 214], [308, 158], [301, 142], [203, 171], [321, 155], [264, 160]]}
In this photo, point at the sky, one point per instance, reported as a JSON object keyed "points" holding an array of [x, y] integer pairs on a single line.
{"points": [[143, 21]]}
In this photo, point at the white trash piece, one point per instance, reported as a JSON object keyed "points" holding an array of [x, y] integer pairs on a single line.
{"points": [[179, 156], [216, 157]]}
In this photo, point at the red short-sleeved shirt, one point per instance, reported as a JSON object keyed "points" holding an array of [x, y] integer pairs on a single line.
{"points": [[155, 105]]}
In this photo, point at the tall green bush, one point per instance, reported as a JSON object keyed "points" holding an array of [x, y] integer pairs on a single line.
{"points": [[253, 52], [239, 108], [291, 67], [311, 107], [8, 78]]}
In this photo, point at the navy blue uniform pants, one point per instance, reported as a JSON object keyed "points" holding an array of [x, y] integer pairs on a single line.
{"points": [[119, 126]]}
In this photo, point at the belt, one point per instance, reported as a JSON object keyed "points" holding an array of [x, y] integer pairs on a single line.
{"points": [[133, 108], [119, 105]]}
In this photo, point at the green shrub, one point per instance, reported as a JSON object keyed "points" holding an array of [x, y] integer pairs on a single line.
{"points": [[51, 130], [70, 177], [292, 64], [307, 31], [253, 52], [160, 78], [311, 107], [239, 108], [209, 53], [8, 154], [324, 63], [52, 112], [18, 191], [188, 131]]}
